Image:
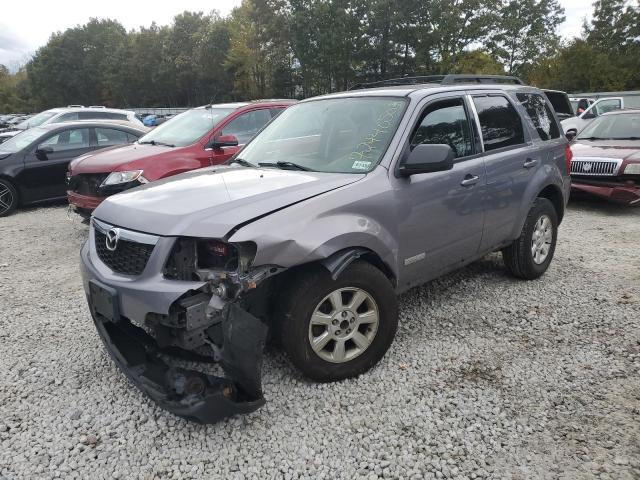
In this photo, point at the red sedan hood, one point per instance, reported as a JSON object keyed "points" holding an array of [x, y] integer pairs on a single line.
{"points": [[619, 149], [116, 158]]}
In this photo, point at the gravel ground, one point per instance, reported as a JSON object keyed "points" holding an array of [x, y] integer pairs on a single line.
{"points": [[489, 377]]}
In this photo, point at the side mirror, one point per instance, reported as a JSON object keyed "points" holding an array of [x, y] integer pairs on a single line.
{"points": [[571, 134], [588, 115], [42, 152], [426, 158], [223, 141]]}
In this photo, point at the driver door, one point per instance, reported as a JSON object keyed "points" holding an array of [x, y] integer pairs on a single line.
{"points": [[44, 175], [442, 213]]}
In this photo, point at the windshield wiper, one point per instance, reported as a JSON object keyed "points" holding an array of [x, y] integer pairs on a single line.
{"points": [[285, 166], [593, 138], [242, 162], [156, 142], [626, 138]]}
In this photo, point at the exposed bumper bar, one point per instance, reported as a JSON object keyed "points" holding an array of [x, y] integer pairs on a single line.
{"points": [[623, 194], [189, 393], [84, 202]]}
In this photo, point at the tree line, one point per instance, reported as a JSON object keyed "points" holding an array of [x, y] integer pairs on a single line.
{"points": [[300, 48]]}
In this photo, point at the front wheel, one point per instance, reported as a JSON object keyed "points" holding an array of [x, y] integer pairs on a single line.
{"points": [[529, 256], [336, 329]]}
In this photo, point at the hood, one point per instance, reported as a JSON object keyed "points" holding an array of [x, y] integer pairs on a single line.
{"points": [[618, 149], [112, 158], [210, 202]]}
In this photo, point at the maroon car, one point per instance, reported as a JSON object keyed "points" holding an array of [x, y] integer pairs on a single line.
{"points": [[606, 158]]}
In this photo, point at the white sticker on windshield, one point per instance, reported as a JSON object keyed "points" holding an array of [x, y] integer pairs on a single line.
{"points": [[361, 165]]}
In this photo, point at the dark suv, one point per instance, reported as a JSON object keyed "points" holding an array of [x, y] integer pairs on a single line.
{"points": [[309, 233]]}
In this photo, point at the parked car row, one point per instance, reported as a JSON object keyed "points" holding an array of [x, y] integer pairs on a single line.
{"points": [[86, 161]]}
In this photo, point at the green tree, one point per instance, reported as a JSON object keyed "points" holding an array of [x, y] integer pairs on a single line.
{"points": [[525, 31]]}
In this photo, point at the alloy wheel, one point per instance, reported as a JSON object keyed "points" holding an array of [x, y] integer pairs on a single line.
{"points": [[6, 199], [541, 239], [344, 324]]}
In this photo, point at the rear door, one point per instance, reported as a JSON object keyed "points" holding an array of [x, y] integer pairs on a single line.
{"points": [[107, 137], [44, 176], [510, 160]]}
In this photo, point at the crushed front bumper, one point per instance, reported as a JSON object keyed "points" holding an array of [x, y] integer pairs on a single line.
{"points": [[119, 312], [189, 393]]}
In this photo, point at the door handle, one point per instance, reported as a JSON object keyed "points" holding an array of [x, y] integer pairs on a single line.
{"points": [[469, 180], [530, 162]]}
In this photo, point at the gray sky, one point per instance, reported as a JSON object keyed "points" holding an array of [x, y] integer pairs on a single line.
{"points": [[24, 27]]}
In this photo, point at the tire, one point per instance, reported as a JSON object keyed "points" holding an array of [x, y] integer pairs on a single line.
{"points": [[308, 292], [519, 257], [8, 198]]}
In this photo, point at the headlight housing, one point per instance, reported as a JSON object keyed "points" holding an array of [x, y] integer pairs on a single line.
{"points": [[116, 178], [632, 169]]}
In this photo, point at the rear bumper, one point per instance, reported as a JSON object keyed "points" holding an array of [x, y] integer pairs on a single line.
{"points": [[618, 193], [84, 202]]}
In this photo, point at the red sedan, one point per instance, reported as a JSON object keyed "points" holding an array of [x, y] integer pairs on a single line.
{"points": [[197, 138], [606, 158]]}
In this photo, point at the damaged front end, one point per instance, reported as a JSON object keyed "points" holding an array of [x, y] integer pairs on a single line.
{"points": [[224, 321]]}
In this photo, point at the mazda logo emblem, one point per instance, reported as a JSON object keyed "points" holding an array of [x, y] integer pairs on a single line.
{"points": [[112, 239]]}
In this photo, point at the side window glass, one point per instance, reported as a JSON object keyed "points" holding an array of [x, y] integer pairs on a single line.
{"points": [[68, 140], [607, 106], [540, 115], [500, 123], [447, 123], [247, 125], [110, 136], [275, 112], [68, 117]]}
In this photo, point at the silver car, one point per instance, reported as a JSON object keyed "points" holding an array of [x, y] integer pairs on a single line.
{"points": [[308, 234]]}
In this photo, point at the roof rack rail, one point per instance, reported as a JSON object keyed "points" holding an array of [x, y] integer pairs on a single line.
{"points": [[441, 80], [97, 106], [75, 106]]}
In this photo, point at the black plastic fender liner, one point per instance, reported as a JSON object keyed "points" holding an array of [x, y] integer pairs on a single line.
{"points": [[188, 393]]}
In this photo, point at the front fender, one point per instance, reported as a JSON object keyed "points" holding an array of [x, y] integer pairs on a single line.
{"points": [[288, 243]]}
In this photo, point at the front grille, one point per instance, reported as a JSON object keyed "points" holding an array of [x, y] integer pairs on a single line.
{"points": [[129, 257], [87, 184], [594, 167]]}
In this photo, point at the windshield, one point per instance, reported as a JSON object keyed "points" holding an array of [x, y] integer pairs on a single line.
{"points": [[341, 135], [186, 128], [613, 127], [21, 140], [36, 120]]}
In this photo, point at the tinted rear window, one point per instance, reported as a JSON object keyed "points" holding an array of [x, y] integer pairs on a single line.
{"points": [[500, 123], [540, 115]]}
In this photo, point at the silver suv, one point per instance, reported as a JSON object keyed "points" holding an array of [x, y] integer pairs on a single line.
{"points": [[308, 234]]}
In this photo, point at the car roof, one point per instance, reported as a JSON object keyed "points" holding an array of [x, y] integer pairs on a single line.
{"points": [[89, 109], [252, 103], [622, 111], [423, 89], [95, 123]]}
